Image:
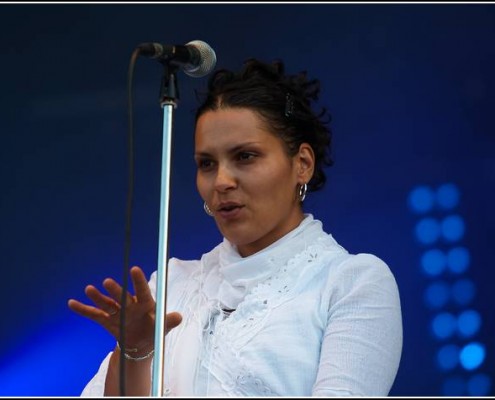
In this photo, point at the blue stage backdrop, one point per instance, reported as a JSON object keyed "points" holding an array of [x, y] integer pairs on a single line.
{"points": [[411, 91]]}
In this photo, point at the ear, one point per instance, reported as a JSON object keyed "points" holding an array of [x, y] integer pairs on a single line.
{"points": [[305, 163]]}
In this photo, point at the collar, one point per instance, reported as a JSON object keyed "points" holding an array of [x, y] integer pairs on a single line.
{"points": [[232, 276]]}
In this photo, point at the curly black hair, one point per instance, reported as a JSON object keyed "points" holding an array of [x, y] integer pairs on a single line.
{"points": [[282, 101]]}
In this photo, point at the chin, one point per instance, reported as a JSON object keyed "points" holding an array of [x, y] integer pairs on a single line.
{"points": [[237, 239]]}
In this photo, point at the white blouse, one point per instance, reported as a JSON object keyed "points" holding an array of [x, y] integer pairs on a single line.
{"points": [[309, 319]]}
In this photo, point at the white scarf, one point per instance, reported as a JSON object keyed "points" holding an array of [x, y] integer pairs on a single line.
{"points": [[229, 278], [237, 275]]}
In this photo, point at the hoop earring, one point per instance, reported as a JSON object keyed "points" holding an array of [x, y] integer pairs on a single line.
{"points": [[207, 209], [302, 192]]}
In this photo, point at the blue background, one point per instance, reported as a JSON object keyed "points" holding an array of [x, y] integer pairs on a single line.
{"points": [[411, 91]]}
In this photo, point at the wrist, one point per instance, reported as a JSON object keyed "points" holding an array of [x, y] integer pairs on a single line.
{"points": [[135, 354]]}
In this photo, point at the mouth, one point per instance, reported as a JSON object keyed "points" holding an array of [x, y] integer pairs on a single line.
{"points": [[229, 210]]}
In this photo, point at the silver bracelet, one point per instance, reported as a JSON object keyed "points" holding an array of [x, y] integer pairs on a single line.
{"points": [[131, 358]]}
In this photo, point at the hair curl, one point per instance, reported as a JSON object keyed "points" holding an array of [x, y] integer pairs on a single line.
{"points": [[282, 101]]}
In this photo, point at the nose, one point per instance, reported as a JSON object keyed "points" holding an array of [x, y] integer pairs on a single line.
{"points": [[225, 179]]}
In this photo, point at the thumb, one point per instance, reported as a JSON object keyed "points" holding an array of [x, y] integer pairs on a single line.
{"points": [[172, 320]]}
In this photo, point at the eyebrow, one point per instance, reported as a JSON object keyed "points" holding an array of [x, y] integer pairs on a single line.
{"points": [[232, 150]]}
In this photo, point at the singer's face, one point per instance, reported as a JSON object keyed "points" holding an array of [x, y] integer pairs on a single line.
{"points": [[247, 178]]}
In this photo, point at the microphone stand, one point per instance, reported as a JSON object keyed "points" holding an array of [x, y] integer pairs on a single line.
{"points": [[169, 95]]}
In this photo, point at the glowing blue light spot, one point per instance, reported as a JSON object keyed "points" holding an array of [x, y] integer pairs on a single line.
{"points": [[444, 325], [454, 386], [433, 262], [463, 291], [448, 196], [448, 356], [437, 294], [479, 385], [472, 355], [468, 323], [427, 230], [421, 199], [452, 228], [458, 259]]}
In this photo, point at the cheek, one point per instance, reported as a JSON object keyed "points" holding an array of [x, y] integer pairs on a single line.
{"points": [[276, 188], [201, 186]]}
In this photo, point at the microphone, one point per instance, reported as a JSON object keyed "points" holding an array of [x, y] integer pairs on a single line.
{"points": [[196, 58]]}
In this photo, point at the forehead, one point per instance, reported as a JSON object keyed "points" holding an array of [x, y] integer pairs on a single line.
{"points": [[231, 125]]}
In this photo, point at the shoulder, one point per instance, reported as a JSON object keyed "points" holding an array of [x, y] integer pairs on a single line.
{"points": [[341, 267], [362, 279], [179, 270], [362, 266], [354, 266]]}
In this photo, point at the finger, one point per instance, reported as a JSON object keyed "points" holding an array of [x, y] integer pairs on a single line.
{"points": [[106, 303], [141, 287], [115, 291], [95, 314], [90, 312], [172, 320]]}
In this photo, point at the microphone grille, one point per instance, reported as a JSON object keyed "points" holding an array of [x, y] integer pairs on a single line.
{"points": [[208, 59]]}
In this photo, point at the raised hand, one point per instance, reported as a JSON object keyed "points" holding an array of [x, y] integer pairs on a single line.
{"points": [[140, 310]]}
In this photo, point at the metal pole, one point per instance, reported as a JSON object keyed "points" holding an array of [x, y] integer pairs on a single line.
{"points": [[168, 100]]}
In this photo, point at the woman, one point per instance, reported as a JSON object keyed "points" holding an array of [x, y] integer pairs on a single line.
{"points": [[278, 308]]}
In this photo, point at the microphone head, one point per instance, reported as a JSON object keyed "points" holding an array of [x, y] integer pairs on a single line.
{"points": [[207, 60]]}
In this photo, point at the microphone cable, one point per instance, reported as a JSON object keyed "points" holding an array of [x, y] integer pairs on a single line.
{"points": [[128, 219]]}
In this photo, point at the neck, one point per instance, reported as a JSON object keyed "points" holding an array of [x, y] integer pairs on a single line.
{"points": [[276, 234]]}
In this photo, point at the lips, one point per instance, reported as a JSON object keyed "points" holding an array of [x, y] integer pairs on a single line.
{"points": [[229, 209]]}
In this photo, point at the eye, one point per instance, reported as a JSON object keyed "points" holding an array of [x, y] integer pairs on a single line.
{"points": [[204, 163], [245, 156]]}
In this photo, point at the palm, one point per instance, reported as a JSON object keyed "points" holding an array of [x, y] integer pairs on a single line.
{"points": [[139, 310]]}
